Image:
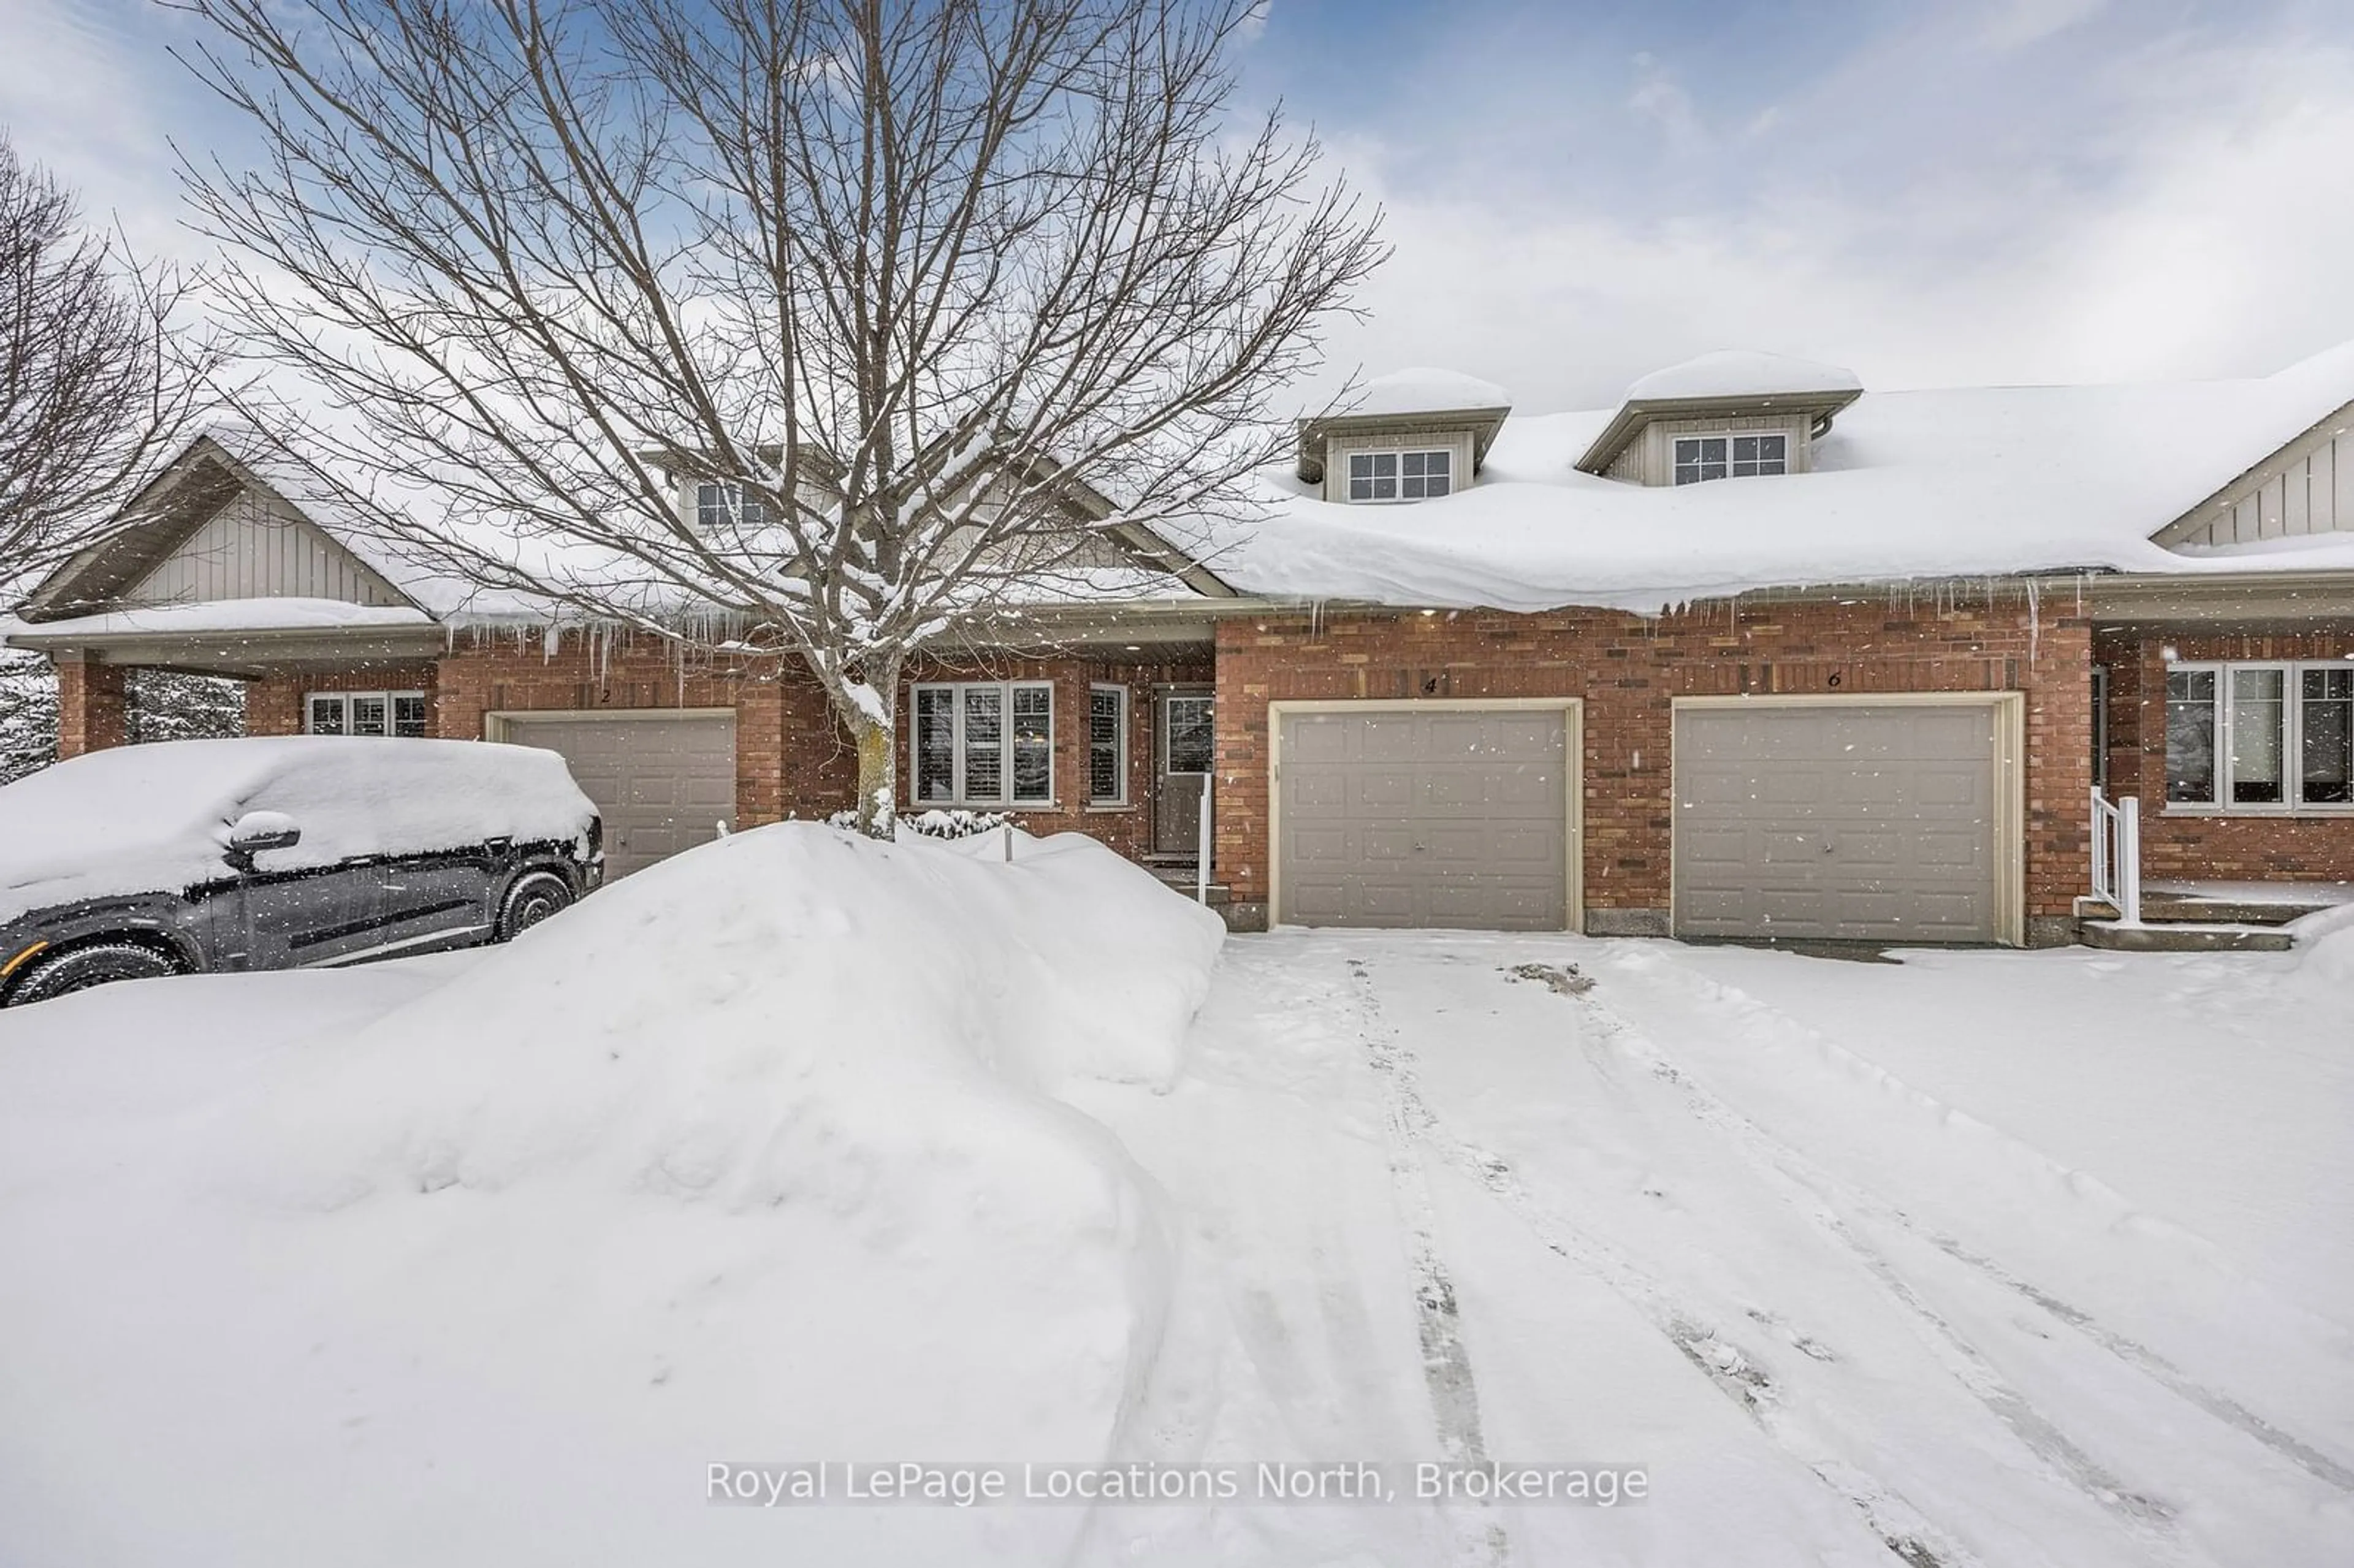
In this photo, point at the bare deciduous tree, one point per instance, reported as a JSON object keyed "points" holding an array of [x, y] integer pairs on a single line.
{"points": [[896, 279], [95, 387]]}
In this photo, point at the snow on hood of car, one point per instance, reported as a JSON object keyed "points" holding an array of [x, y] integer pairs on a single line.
{"points": [[150, 819]]}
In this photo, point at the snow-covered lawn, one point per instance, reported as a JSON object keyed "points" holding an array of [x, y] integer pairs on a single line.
{"points": [[780, 1152]]}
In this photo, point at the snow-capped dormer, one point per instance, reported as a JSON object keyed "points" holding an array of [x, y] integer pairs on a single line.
{"points": [[1413, 435], [1729, 415]]}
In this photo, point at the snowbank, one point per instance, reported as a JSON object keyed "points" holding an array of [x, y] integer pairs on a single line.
{"points": [[738, 1161], [1107, 990], [146, 819], [2327, 941]]}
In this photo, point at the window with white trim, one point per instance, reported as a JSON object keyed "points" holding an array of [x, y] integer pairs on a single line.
{"points": [[1405, 475], [983, 743], [720, 506], [1700, 458], [2260, 737], [365, 712], [1108, 746]]}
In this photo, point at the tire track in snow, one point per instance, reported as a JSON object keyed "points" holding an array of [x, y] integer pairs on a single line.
{"points": [[1900, 1526], [1802, 1169], [1817, 1194], [1446, 1361], [1907, 1533]]}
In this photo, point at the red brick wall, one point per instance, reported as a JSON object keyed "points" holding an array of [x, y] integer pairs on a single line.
{"points": [[1127, 829], [793, 757], [273, 705], [2180, 847], [495, 673], [90, 711], [1629, 670]]}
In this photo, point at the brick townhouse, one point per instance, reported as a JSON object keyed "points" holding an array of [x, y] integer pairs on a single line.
{"points": [[1752, 654]]}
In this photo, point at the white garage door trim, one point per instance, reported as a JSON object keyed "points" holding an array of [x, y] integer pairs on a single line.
{"points": [[1573, 712], [495, 724], [2010, 791], [498, 724]]}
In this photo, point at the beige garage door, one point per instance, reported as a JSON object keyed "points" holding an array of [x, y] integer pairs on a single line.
{"points": [[661, 784], [1424, 818], [1840, 822]]}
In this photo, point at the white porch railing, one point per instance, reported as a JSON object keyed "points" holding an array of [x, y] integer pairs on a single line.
{"points": [[1202, 850], [2116, 855]]}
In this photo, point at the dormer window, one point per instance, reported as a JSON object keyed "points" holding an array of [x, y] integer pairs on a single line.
{"points": [[1700, 458], [1721, 416], [1400, 475], [726, 505]]}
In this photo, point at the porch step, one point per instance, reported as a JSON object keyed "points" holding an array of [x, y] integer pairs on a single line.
{"points": [[2178, 936], [2210, 909], [1182, 878], [2206, 909]]}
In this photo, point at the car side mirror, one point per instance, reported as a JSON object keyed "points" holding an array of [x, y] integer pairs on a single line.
{"points": [[259, 831]]}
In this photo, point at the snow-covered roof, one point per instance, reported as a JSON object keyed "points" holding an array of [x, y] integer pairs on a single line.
{"points": [[287, 613], [1422, 390], [1419, 397], [1739, 373], [330, 502], [1906, 485], [219, 459], [380, 523], [1979, 482]]}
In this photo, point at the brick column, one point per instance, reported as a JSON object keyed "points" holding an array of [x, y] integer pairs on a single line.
{"points": [[273, 705], [90, 706]]}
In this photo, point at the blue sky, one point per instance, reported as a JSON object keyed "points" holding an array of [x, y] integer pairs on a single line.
{"points": [[1930, 191]]}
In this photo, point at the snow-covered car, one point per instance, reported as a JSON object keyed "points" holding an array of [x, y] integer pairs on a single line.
{"points": [[283, 853]]}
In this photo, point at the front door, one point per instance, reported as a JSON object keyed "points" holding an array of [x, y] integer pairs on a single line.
{"points": [[1188, 746]]}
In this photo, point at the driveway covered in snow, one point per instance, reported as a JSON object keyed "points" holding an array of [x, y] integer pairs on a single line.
{"points": [[1979, 1259], [1989, 1258]]}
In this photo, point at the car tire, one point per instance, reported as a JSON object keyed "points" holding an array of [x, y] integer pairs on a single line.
{"points": [[531, 899], [79, 968]]}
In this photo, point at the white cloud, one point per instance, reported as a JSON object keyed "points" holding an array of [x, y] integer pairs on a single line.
{"points": [[2011, 190], [2014, 23], [2194, 218], [85, 89], [1659, 99]]}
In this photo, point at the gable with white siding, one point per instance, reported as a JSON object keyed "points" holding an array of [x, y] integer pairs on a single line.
{"points": [[2306, 488], [259, 546]]}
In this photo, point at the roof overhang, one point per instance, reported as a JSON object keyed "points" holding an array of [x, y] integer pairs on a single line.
{"points": [[2273, 597], [1483, 424], [1127, 625], [246, 653], [1635, 413]]}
